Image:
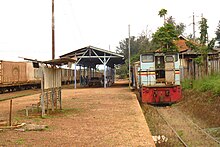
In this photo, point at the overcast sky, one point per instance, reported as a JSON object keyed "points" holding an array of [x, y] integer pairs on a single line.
{"points": [[25, 26]]}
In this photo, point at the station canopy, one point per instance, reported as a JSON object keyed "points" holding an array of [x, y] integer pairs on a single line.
{"points": [[91, 56]]}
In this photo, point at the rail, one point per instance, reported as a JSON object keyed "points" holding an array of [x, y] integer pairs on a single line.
{"points": [[207, 134], [180, 139]]}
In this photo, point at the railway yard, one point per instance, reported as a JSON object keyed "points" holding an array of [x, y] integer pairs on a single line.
{"points": [[160, 88], [111, 117]]}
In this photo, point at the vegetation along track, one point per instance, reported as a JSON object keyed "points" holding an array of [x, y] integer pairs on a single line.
{"points": [[183, 129]]}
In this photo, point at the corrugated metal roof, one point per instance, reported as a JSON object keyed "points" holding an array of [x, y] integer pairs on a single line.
{"points": [[91, 56], [61, 61]]}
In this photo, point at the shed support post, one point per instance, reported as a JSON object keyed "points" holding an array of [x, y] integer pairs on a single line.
{"points": [[104, 71], [90, 72], [80, 75], [75, 77], [52, 98], [42, 94], [60, 98]]}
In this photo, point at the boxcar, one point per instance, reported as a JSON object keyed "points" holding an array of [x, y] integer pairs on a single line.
{"points": [[17, 75]]}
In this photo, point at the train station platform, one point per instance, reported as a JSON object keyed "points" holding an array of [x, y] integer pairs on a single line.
{"points": [[111, 117], [90, 117]]}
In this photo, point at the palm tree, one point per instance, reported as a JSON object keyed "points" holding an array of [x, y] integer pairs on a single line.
{"points": [[162, 13]]}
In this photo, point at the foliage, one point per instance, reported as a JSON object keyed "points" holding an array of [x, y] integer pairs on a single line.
{"points": [[217, 32], [211, 44], [138, 45], [162, 13], [199, 60], [203, 31], [180, 28], [165, 36], [192, 45], [209, 83], [122, 71], [186, 84]]}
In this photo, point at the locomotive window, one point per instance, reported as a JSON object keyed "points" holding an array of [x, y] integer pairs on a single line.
{"points": [[169, 59], [176, 57], [147, 58]]}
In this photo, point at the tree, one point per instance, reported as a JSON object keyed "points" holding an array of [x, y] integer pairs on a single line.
{"points": [[203, 31], [165, 36], [171, 20], [162, 13], [217, 32], [123, 47], [139, 45], [180, 28]]}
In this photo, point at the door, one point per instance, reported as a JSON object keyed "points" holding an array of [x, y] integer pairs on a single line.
{"points": [[169, 69]]}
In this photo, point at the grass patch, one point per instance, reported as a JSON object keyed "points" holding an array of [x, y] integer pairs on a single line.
{"points": [[209, 83], [186, 84], [180, 133], [13, 97], [19, 141]]}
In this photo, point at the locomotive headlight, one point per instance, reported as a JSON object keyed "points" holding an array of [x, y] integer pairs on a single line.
{"points": [[167, 92], [147, 90]]}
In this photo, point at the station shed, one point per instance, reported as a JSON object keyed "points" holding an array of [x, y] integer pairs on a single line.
{"points": [[51, 83], [51, 79], [89, 57]]}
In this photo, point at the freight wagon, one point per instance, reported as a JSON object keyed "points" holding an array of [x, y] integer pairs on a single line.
{"points": [[17, 76], [157, 76]]}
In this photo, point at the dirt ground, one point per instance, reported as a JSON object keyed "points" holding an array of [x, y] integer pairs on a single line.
{"points": [[90, 117], [202, 108]]}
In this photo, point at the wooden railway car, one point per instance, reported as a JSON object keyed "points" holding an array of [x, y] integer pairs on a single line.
{"points": [[159, 78]]}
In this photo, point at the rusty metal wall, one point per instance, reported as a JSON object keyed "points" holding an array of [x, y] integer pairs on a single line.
{"points": [[13, 72]]}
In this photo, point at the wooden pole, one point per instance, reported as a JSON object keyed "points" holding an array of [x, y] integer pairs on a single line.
{"points": [[53, 32], [129, 56], [10, 113]]}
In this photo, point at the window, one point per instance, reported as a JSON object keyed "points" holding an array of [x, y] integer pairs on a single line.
{"points": [[169, 59], [176, 57], [147, 58]]}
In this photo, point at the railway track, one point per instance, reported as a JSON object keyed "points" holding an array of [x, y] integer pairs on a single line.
{"points": [[185, 130], [174, 131]]}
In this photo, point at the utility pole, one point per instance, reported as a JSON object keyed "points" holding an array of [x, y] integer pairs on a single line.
{"points": [[194, 32], [53, 32], [53, 54], [129, 50]]}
